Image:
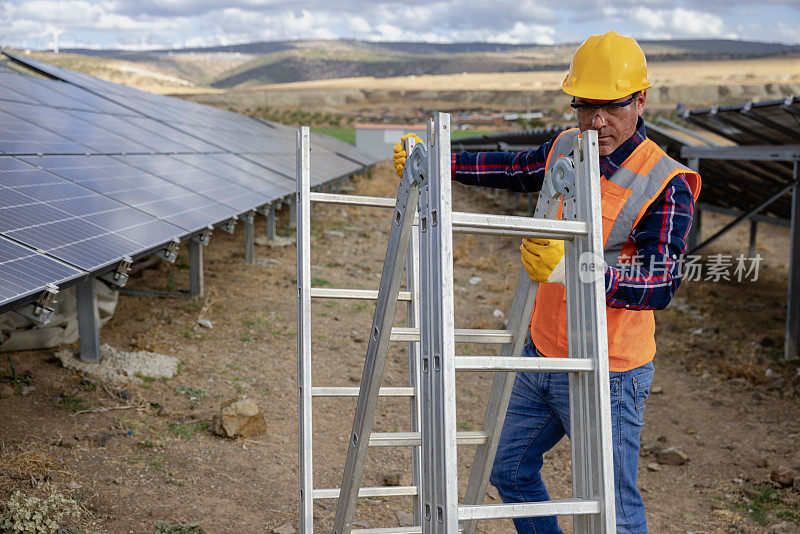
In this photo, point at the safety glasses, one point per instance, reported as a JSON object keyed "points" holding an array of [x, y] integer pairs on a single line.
{"points": [[585, 113]]}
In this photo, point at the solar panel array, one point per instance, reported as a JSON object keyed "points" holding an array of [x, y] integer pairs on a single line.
{"points": [[92, 172]]}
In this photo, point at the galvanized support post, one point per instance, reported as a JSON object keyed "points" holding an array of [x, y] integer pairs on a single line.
{"points": [[293, 211], [196, 282], [88, 322], [751, 250], [249, 239], [793, 304], [271, 221], [531, 203]]}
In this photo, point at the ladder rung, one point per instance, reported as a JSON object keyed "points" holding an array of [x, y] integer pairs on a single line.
{"points": [[517, 363], [319, 391], [355, 200], [480, 223], [399, 439], [390, 530], [378, 491], [463, 335], [357, 294], [467, 512]]}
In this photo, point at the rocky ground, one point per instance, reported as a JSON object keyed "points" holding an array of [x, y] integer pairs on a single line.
{"points": [[722, 428]]}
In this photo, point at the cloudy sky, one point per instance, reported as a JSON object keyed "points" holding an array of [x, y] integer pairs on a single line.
{"points": [[176, 23]]}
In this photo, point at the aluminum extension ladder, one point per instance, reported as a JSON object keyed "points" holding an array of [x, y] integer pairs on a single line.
{"points": [[433, 389]]}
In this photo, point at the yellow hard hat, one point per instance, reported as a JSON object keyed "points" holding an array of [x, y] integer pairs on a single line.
{"points": [[607, 67]]}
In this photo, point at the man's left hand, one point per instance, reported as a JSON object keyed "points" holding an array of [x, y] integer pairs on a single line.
{"points": [[543, 259]]}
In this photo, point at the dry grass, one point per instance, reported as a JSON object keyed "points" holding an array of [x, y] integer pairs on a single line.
{"points": [[666, 73]]}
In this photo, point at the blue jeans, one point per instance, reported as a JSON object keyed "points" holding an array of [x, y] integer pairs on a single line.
{"points": [[537, 419]]}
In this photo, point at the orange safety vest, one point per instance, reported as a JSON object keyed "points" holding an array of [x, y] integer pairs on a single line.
{"points": [[626, 195]]}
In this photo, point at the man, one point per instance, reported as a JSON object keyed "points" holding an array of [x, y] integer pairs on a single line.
{"points": [[648, 205]]}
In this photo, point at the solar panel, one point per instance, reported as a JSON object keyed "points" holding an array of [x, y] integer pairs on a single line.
{"points": [[137, 188], [776, 122], [18, 136], [73, 223], [92, 171], [23, 270], [237, 198], [94, 139]]}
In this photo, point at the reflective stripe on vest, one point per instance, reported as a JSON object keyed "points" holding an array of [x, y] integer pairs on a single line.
{"points": [[625, 197]]}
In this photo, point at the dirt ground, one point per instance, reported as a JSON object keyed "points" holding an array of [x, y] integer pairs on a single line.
{"points": [[721, 393]]}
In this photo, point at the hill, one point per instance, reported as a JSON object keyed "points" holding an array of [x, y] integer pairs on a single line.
{"points": [[251, 64]]}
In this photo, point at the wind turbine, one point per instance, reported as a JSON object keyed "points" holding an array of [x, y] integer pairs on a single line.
{"points": [[55, 32]]}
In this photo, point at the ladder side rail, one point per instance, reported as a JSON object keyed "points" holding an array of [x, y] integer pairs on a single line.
{"points": [[438, 344], [415, 402], [425, 249], [597, 480], [305, 452], [503, 383], [580, 387], [380, 332]]}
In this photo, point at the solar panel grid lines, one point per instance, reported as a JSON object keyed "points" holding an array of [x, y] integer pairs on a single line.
{"points": [[138, 188], [73, 128], [18, 136], [70, 222], [22, 270], [255, 178], [195, 179]]}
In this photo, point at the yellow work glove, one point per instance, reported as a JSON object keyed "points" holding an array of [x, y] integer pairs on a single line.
{"points": [[543, 259], [399, 156]]}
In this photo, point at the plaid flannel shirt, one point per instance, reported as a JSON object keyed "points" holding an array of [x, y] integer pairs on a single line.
{"points": [[660, 236]]}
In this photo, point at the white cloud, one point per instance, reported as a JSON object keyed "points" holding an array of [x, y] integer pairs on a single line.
{"points": [[163, 23]]}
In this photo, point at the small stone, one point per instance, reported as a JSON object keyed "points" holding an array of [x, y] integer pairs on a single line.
{"points": [[397, 478], [731, 446], [498, 314], [656, 390], [360, 524], [73, 486], [333, 233], [672, 456], [651, 448], [404, 519], [782, 475], [27, 390], [239, 418], [205, 323], [475, 280], [286, 528], [690, 431], [762, 463], [125, 395], [6, 391], [738, 481], [768, 373], [652, 466]]}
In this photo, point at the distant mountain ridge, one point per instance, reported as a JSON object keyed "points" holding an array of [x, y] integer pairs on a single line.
{"points": [[292, 61]]}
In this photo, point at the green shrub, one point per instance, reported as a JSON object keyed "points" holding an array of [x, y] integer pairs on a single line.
{"points": [[34, 515]]}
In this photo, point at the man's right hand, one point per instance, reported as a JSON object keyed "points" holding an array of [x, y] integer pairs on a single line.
{"points": [[399, 156]]}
